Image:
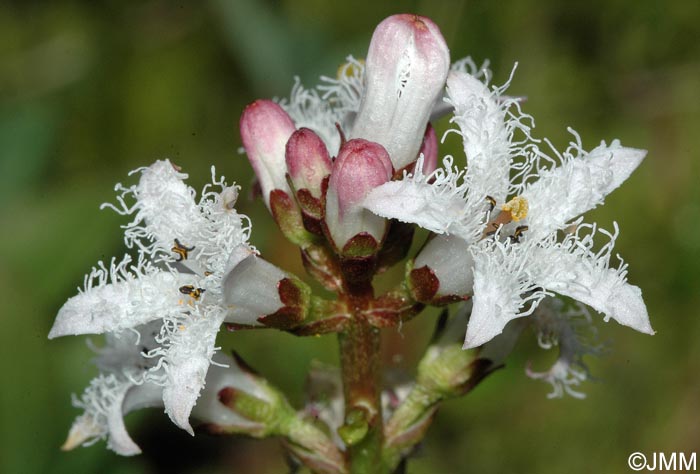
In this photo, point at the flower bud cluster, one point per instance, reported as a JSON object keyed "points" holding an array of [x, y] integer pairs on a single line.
{"points": [[315, 193]]}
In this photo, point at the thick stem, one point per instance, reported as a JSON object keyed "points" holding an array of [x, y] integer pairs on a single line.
{"points": [[360, 368]]}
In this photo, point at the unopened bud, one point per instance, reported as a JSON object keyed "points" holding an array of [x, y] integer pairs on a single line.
{"points": [[265, 129], [361, 166], [406, 68], [307, 161], [446, 368], [238, 400]]}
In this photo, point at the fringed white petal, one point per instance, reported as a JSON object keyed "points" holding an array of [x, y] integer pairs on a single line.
{"points": [[225, 228], [574, 270], [344, 92], [435, 202], [165, 209], [579, 184], [119, 440], [481, 120], [188, 347], [416, 203], [605, 291], [503, 290], [115, 298], [180, 395], [488, 123], [563, 376], [103, 416], [166, 215]]}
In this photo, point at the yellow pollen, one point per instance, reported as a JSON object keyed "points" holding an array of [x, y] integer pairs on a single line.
{"points": [[517, 207], [181, 327], [349, 69]]}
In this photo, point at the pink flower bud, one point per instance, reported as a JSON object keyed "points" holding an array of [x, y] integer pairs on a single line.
{"points": [[361, 166], [405, 73], [265, 129], [307, 161]]}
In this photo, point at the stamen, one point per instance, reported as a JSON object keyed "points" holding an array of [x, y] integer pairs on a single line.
{"points": [[492, 203], [514, 210], [517, 207], [515, 238], [191, 291], [181, 251], [350, 69]]}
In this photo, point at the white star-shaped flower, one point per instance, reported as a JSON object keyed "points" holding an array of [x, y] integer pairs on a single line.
{"points": [[509, 254], [185, 248]]}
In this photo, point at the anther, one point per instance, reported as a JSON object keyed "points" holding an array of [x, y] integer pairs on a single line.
{"points": [[517, 208], [349, 69], [492, 203], [191, 291], [181, 251], [515, 238]]}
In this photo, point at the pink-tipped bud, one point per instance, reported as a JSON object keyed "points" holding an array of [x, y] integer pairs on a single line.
{"points": [[265, 129], [308, 162], [405, 73], [361, 166]]}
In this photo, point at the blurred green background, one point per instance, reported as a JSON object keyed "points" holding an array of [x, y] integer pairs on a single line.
{"points": [[91, 90]]}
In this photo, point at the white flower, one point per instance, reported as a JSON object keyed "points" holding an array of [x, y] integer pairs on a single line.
{"points": [[509, 253], [174, 288], [121, 388]]}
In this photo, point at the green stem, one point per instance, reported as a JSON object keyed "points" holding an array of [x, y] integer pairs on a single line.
{"points": [[360, 368]]}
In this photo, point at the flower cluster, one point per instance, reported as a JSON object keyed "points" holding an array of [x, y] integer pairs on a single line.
{"points": [[348, 169], [507, 227]]}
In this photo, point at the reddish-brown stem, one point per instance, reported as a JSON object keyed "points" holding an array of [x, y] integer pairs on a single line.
{"points": [[361, 369]]}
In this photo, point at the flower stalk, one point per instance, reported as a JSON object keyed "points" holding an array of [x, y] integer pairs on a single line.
{"points": [[362, 430], [443, 373]]}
